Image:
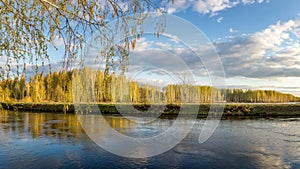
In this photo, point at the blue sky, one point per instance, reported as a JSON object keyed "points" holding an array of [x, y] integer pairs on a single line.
{"points": [[257, 41], [254, 25], [246, 18]]}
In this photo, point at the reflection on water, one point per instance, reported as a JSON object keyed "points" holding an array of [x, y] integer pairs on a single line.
{"points": [[38, 125], [43, 140]]}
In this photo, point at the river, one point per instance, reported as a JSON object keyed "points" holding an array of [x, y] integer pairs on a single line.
{"points": [[47, 140]]}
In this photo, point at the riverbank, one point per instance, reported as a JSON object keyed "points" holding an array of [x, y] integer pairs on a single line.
{"points": [[230, 109]]}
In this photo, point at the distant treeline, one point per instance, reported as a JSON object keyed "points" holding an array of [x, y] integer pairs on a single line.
{"points": [[57, 87]]}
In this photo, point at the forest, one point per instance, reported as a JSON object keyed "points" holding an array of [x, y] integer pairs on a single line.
{"points": [[95, 86]]}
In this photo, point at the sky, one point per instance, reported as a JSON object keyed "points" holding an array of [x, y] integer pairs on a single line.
{"points": [[257, 43], [258, 40]]}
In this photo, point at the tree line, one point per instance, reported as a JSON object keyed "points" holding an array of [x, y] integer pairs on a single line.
{"points": [[88, 85]]}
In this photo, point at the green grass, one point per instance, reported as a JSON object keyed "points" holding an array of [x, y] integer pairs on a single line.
{"points": [[230, 109]]}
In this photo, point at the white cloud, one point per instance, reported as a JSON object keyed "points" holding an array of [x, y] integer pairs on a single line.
{"points": [[268, 53], [163, 45], [142, 44], [248, 1], [276, 34], [231, 30], [253, 1], [272, 52], [211, 7], [259, 55], [178, 5], [219, 20], [281, 84], [173, 38]]}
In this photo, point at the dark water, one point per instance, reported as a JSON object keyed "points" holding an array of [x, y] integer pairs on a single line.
{"points": [[41, 140]]}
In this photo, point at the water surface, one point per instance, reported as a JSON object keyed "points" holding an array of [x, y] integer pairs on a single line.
{"points": [[44, 140]]}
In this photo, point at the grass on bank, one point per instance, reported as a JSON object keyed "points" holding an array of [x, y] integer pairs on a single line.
{"points": [[230, 109]]}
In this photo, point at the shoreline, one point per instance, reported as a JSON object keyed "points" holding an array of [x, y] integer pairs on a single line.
{"points": [[230, 109]]}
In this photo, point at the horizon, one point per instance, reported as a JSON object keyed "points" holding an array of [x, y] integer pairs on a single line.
{"points": [[161, 86]]}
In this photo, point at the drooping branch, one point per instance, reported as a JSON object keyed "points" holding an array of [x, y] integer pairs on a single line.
{"points": [[29, 28]]}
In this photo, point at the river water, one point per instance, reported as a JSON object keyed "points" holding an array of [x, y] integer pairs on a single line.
{"points": [[45, 140]]}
